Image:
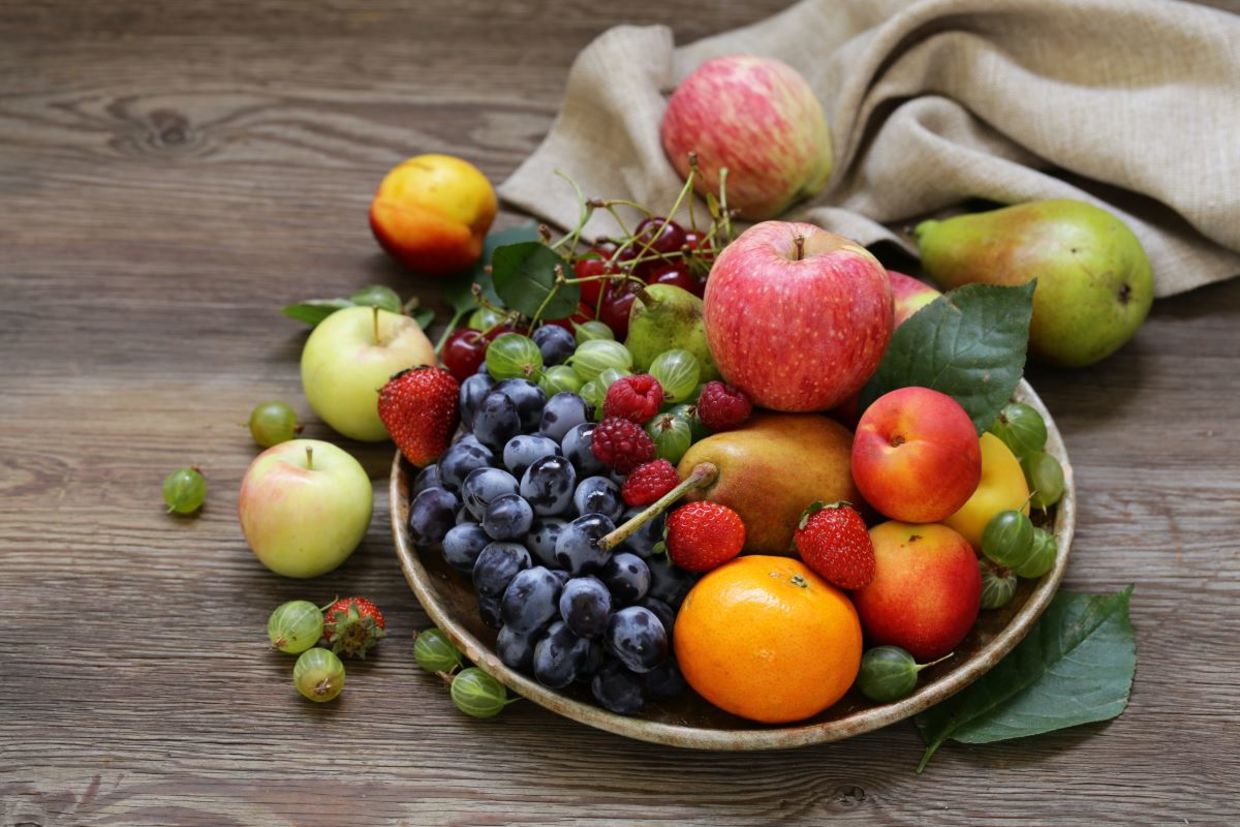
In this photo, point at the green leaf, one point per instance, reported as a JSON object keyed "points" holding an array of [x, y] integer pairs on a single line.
{"points": [[424, 317], [969, 343], [525, 279], [1075, 667], [377, 295], [314, 311], [459, 292]]}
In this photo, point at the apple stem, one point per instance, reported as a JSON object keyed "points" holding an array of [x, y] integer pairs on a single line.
{"points": [[800, 242], [309, 457], [702, 475], [375, 318]]}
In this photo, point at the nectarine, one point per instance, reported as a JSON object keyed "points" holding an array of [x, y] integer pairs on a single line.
{"points": [[1002, 486]]}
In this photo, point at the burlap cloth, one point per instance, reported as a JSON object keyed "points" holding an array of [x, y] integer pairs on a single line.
{"points": [[1130, 104]]}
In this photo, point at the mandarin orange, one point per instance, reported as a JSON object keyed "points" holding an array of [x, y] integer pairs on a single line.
{"points": [[767, 639]]}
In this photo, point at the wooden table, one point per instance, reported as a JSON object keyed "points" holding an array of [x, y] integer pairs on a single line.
{"points": [[170, 174]]}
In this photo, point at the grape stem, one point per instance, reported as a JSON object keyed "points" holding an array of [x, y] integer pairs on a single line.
{"points": [[702, 475]]}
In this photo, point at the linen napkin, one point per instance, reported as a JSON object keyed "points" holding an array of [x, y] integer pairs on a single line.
{"points": [[1133, 105]]}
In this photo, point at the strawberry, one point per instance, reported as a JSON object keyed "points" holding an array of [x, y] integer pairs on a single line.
{"points": [[833, 541], [352, 626], [703, 535], [419, 408]]}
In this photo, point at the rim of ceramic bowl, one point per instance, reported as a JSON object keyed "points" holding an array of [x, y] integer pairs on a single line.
{"points": [[756, 737]]}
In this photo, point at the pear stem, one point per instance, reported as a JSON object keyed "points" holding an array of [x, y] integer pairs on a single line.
{"points": [[702, 475], [309, 457]]}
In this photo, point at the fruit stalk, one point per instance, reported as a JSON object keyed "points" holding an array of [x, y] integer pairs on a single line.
{"points": [[702, 475]]}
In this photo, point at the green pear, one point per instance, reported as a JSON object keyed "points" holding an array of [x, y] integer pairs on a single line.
{"points": [[1095, 285], [664, 317]]}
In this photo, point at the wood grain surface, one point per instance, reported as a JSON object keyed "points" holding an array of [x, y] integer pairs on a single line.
{"points": [[171, 173]]}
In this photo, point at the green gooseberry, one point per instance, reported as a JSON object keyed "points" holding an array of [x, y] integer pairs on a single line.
{"points": [[672, 436], [318, 675], [688, 412], [593, 329], [1045, 477], [1008, 539], [295, 626], [677, 372], [594, 393], [889, 673], [478, 694], [513, 356], [377, 295], [272, 423], [597, 355], [559, 378], [998, 585], [434, 652], [1021, 429], [185, 490], [1041, 559]]}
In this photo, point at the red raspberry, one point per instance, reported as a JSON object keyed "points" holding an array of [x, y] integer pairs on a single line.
{"points": [[649, 482], [621, 444], [722, 407], [833, 541], [636, 398], [704, 535]]}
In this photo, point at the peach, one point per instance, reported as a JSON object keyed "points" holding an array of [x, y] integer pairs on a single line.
{"points": [[1002, 486], [926, 590], [915, 456], [910, 295], [432, 213]]}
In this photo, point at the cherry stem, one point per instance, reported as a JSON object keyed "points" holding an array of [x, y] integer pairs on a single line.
{"points": [[702, 475], [309, 457], [921, 666]]}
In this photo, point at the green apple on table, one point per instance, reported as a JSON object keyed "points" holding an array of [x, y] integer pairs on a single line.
{"points": [[349, 356], [305, 506]]}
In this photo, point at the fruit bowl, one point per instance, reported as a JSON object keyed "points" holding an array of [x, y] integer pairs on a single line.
{"points": [[689, 721]]}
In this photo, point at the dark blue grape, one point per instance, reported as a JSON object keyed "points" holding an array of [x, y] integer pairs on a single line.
{"points": [[617, 689], [559, 656], [496, 565], [484, 485], [665, 613], [669, 583], [585, 605], [561, 414], [488, 610], [576, 446], [576, 549], [473, 389], [531, 601], [523, 449], [515, 650], [463, 516], [428, 477], [508, 517], [541, 540], [548, 485], [665, 680], [636, 637], [628, 578], [594, 659], [462, 545], [529, 399], [462, 457], [555, 343], [563, 575], [496, 421], [642, 541], [598, 495], [431, 514]]}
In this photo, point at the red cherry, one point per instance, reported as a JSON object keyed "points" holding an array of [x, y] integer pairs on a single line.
{"points": [[584, 314], [676, 275], [463, 353], [695, 240], [616, 306], [699, 287], [663, 236], [591, 290]]}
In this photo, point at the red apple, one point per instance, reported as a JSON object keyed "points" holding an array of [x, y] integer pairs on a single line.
{"points": [[797, 317], [759, 118], [915, 455], [926, 590], [909, 294]]}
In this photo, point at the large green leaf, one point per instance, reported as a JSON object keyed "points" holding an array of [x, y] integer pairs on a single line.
{"points": [[526, 281], [459, 292], [1075, 667], [313, 311], [970, 344]]}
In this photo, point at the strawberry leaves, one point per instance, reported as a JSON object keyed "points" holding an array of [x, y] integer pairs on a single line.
{"points": [[969, 344]]}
